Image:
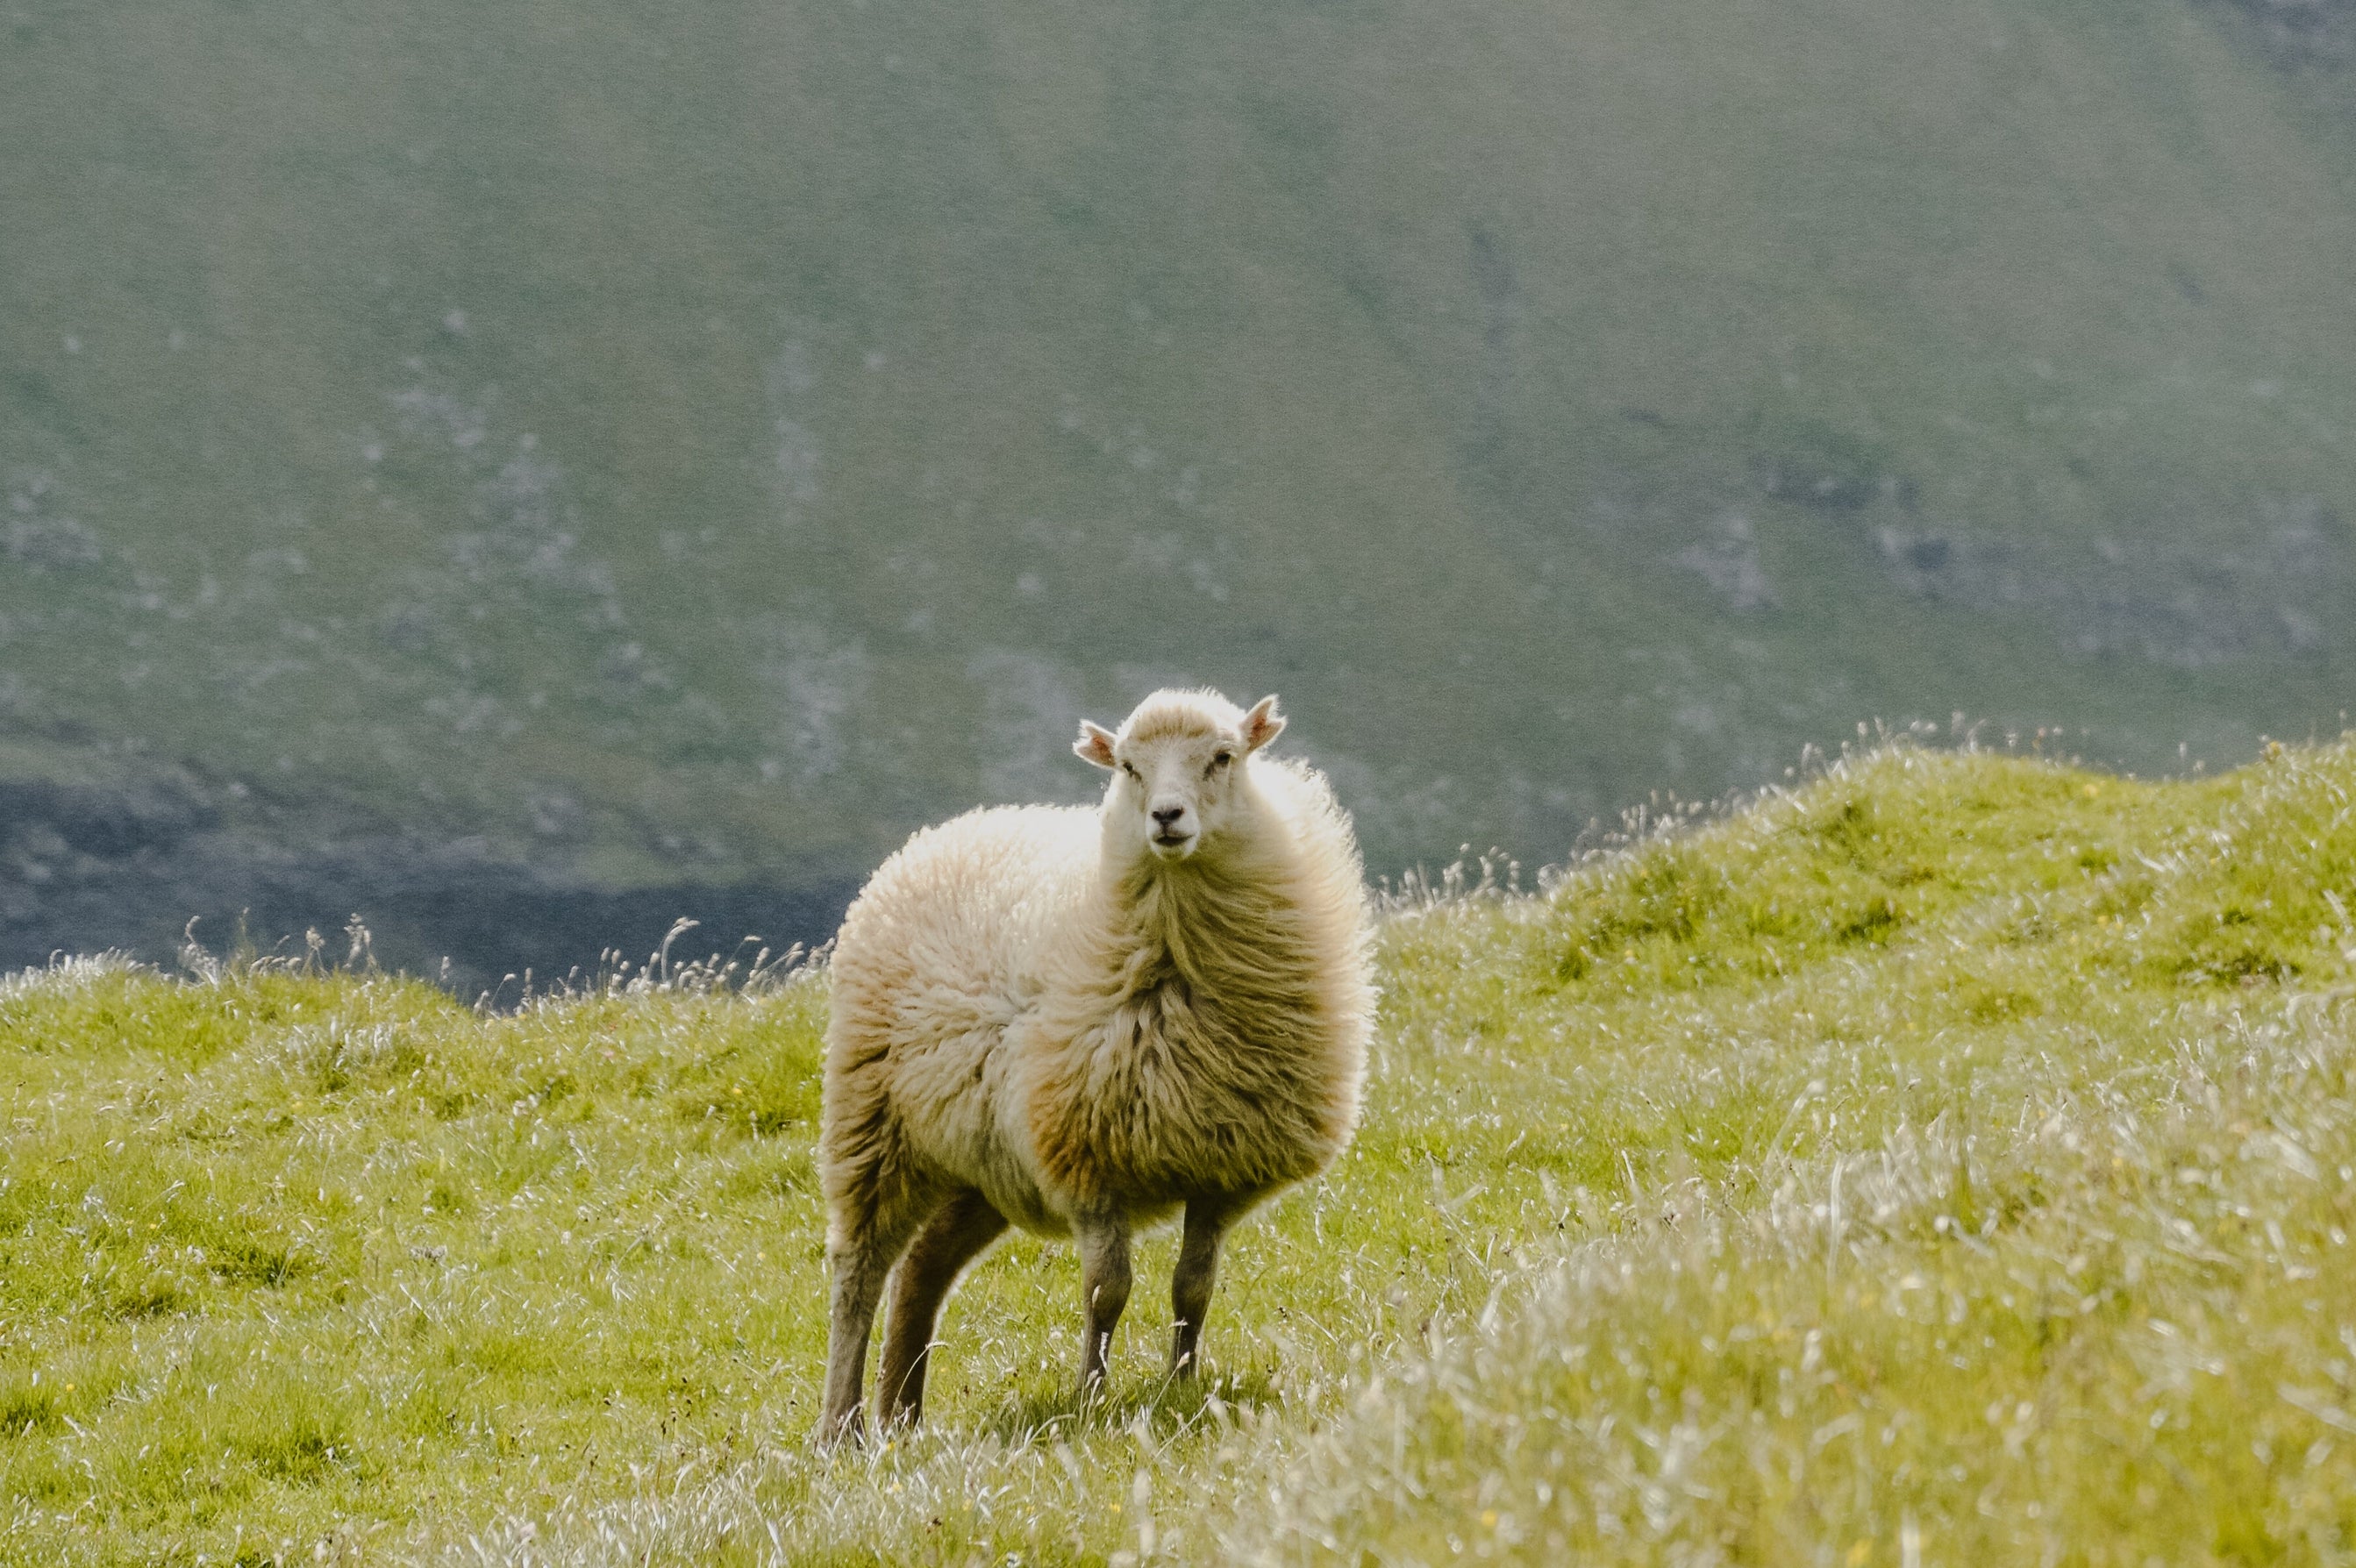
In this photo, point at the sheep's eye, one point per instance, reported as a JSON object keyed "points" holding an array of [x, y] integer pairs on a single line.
{"points": [[1221, 761], [1132, 772]]}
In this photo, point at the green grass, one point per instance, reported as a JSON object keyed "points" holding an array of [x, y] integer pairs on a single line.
{"points": [[1950, 1160]]}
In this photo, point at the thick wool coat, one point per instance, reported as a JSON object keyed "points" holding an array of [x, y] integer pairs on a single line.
{"points": [[1073, 1035]]}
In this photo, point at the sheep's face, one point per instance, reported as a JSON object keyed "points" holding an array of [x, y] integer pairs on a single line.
{"points": [[1177, 767]]}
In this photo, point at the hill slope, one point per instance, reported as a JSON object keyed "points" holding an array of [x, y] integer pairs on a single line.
{"points": [[534, 455], [1952, 1160]]}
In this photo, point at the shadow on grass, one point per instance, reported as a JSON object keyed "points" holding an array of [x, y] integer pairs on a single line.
{"points": [[1169, 1408]]}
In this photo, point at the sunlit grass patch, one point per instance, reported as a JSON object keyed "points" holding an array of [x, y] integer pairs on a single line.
{"points": [[1957, 1151]]}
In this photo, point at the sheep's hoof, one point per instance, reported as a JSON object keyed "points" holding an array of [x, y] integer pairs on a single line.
{"points": [[838, 1432]]}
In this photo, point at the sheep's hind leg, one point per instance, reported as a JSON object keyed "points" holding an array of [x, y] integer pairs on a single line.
{"points": [[1104, 1291], [860, 1266], [952, 1238], [1189, 1283]]}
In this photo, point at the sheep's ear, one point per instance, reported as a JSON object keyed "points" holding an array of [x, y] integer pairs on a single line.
{"points": [[1095, 744], [1262, 724]]}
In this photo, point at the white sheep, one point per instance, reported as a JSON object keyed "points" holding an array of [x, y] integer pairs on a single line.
{"points": [[1082, 1020]]}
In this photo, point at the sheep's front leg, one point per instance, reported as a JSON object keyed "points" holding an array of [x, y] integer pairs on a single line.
{"points": [[1190, 1285], [1104, 1290]]}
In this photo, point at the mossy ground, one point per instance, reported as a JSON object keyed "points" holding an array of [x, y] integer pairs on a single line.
{"points": [[1950, 1160]]}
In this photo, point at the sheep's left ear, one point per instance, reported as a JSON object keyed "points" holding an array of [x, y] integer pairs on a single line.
{"points": [[1095, 744], [1262, 724]]}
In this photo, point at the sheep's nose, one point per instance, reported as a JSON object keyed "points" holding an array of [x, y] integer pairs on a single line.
{"points": [[1168, 816]]}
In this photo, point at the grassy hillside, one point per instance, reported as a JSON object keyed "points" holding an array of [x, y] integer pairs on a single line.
{"points": [[1952, 1161], [635, 448]]}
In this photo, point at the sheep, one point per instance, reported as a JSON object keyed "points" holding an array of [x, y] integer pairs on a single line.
{"points": [[1084, 1020]]}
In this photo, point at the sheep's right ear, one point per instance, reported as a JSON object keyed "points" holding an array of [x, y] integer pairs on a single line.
{"points": [[1095, 744]]}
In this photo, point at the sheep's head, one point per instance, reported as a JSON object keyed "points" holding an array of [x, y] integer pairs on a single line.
{"points": [[1178, 766]]}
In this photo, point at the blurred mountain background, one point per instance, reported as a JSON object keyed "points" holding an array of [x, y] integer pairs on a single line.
{"points": [[523, 473]]}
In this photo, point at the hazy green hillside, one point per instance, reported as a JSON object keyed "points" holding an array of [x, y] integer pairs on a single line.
{"points": [[1951, 1161], [456, 455]]}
